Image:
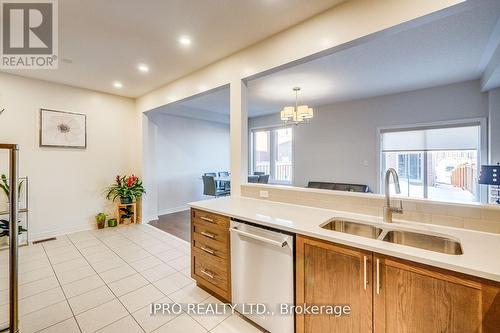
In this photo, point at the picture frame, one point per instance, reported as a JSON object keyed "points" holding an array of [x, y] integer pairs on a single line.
{"points": [[62, 129]]}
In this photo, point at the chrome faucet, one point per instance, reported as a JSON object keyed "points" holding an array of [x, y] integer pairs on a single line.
{"points": [[388, 209]]}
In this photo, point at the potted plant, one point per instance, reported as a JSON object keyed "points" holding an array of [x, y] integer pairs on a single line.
{"points": [[4, 185], [101, 219], [112, 223], [127, 188], [5, 230]]}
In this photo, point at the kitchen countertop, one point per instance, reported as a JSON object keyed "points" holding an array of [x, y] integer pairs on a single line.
{"points": [[481, 250]]}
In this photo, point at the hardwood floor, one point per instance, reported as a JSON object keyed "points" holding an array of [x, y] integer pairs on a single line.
{"points": [[177, 224]]}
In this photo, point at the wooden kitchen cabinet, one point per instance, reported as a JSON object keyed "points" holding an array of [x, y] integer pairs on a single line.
{"points": [[400, 297], [414, 298], [328, 274], [210, 253]]}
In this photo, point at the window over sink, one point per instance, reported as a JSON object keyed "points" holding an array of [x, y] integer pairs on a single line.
{"points": [[435, 162]]}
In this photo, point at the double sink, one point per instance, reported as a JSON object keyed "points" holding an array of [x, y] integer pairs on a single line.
{"points": [[419, 240]]}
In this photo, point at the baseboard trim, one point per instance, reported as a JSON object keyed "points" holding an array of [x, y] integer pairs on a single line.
{"points": [[59, 232], [150, 219], [173, 210]]}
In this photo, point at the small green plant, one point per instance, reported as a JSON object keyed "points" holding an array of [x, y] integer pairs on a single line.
{"points": [[112, 222], [100, 219], [127, 188], [4, 185], [5, 228]]}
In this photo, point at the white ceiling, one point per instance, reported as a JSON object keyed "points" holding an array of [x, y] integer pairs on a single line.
{"points": [[215, 101], [441, 52], [107, 39], [211, 106]]}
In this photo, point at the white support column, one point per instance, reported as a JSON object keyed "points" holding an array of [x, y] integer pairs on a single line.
{"points": [[149, 170], [494, 126], [493, 136], [239, 135]]}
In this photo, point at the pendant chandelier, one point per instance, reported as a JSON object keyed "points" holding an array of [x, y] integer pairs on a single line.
{"points": [[298, 114]]}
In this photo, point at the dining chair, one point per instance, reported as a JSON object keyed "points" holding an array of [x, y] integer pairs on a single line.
{"points": [[210, 188], [259, 173], [219, 185], [223, 174], [253, 179], [264, 179]]}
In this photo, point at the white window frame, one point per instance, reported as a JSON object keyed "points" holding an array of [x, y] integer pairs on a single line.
{"points": [[272, 152], [482, 192]]}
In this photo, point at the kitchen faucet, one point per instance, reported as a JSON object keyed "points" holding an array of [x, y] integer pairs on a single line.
{"points": [[388, 209]]}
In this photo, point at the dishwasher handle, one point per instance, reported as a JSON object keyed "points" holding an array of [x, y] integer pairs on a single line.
{"points": [[260, 238]]}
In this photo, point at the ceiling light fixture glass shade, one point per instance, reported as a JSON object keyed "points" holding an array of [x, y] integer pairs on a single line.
{"points": [[297, 114]]}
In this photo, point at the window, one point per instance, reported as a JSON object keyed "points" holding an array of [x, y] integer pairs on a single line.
{"points": [[439, 163], [272, 153]]}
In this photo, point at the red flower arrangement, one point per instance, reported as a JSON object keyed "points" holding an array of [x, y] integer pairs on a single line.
{"points": [[127, 188]]}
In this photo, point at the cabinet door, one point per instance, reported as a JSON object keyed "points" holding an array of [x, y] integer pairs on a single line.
{"points": [[413, 298], [329, 274]]}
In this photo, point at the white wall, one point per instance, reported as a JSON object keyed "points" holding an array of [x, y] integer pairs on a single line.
{"points": [[343, 136], [185, 149], [66, 185]]}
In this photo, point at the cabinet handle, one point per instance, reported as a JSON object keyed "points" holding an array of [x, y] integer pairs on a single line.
{"points": [[207, 219], [365, 280], [208, 250], [378, 277], [210, 275], [207, 234]]}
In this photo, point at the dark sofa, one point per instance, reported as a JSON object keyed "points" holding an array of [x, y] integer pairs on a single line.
{"points": [[339, 186]]}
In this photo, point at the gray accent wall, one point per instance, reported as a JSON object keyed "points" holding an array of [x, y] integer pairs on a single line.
{"points": [[340, 144]]}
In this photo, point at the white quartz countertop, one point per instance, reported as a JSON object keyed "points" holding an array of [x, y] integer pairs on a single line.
{"points": [[481, 250]]}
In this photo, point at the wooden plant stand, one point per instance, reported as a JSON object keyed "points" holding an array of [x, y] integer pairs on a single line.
{"points": [[133, 208]]}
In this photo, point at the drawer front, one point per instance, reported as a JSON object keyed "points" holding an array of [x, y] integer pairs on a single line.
{"points": [[210, 273], [210, 247], [208, 232], [216, 264], [217, 221]]}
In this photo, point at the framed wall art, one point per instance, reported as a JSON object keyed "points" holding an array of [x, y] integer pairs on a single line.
{"points": [[63, 129]]}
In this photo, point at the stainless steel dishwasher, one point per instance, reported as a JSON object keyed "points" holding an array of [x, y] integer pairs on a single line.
{"points": [[262, 273]]}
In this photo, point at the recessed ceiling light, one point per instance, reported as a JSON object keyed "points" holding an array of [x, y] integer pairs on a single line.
{"points": [[143, 68], [185, 40], [117, 84]]}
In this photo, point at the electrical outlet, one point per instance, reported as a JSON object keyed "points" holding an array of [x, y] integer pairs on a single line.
{"points": [[264, 194]]}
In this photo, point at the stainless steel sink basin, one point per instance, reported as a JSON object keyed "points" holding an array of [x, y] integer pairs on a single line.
{"points": [[353, 228], [424, 241]]}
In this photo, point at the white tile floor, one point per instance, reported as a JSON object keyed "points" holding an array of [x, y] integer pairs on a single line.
{"points": [[105, 280]]}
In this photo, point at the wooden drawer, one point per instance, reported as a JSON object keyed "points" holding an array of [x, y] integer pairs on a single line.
{"points": [[210, 276], [208, 232], [213, 263], [210, 246], [206, 218]]}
